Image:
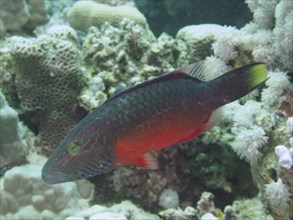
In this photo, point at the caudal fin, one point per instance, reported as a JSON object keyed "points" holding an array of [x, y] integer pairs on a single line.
{"points": [[239, 82]]}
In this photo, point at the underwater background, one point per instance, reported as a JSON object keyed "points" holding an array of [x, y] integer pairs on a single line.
{"points": [[59, 60]]}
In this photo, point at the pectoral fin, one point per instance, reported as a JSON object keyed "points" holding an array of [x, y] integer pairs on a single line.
{"points": [[148, 161]]}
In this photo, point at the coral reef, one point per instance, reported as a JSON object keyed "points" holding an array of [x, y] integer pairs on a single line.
{"points": [[93, 96], [263, 12], [55, 78], [48, 81], [180, 167], [285, 156], [19, 13], [11, 147], [283, 34], [25, 196], [278, 196], [101, 46], [169, 199], [247, 209], [140, 57], [199, 39], [206, 203], [173, 214], [85, 14], [276, 17], [122, 211]]}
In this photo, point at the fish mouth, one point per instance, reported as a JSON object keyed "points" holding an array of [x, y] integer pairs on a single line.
{"points": [[54, 177]]}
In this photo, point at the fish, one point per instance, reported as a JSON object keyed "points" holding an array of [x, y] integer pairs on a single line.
{"points": [[170, 109]]}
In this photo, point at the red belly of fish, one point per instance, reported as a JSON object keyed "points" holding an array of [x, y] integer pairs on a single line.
{"points": [[159, 132]]}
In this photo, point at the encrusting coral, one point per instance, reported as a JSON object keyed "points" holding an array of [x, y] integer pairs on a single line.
{"points": [[11, 147], [19, 13], [25, 196], [247, 209], [85, 14], [48, 81], [140, 55], [123, 211]]}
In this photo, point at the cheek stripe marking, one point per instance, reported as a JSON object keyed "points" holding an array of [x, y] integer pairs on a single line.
{"points": [[85, 144]]}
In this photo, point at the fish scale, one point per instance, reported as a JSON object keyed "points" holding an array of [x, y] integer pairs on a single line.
{"points": [[156, 114]]}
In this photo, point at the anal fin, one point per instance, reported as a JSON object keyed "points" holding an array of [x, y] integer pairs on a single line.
{"points": [[147, 161]]}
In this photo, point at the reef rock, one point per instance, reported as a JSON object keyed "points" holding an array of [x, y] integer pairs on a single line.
{"points": [[85, 14], [24, 195]]}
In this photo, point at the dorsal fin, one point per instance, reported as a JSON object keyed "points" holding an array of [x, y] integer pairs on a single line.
{"points": [[196, 70], [191, 72]]}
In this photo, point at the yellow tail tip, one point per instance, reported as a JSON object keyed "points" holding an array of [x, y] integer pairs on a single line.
{"points": [[258, 74]]}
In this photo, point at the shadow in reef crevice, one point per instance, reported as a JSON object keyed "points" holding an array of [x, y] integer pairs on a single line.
{"points": [[189, 186]]}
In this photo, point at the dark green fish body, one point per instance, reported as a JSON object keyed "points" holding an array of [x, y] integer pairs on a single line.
{"points": [[170, 109]]}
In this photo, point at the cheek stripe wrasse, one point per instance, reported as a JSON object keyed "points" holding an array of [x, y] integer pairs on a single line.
{"points": [[170, 109]]}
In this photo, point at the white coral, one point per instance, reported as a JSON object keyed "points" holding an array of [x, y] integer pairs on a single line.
{"points": [[283, 33], [277, 83], [11, 147], [285, 156], [169, 198], [26, 196], [248, 143], [214, 67], [244, 116], [263, 12], [226, 42], [277, 193]]}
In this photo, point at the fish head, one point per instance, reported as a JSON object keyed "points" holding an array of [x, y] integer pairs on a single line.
{"points": [[80, 155]]}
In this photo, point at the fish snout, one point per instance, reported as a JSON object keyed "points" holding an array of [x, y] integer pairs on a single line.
{"points": [[53, 177]]}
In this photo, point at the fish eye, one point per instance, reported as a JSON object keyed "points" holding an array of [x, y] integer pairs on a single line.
{"points": [[73, 149]]}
